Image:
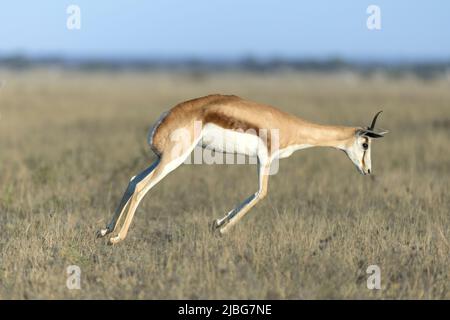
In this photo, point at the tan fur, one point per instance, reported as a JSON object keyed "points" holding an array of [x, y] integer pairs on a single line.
{"points": [[233, 112]]}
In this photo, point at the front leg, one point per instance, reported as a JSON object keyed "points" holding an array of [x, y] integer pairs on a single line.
{"points": [[232, 217], [237, 213]]}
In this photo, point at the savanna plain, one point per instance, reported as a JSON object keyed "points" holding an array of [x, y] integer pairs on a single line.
{"points": [[71, 140]]}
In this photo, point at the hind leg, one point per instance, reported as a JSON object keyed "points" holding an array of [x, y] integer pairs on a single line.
{"points": [[167, 164], [112, 226]]}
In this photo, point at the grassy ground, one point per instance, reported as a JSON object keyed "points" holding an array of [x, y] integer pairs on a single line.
{"points": [[69, 142]]}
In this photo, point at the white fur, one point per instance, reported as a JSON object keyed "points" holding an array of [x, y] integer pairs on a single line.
{"points": [[356, 153], [219, 139], [286, 152]]}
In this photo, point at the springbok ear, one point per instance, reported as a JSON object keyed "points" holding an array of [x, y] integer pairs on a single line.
{"points": [[371, 133]]}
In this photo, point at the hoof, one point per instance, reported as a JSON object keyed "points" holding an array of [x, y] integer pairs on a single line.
{"points": [[215, 228], [214, 225], [102, 232], [224, 229], [114, 240]]}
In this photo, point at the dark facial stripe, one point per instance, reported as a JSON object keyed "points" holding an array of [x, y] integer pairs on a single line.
{"points": [[362, 161], [364, 154]]}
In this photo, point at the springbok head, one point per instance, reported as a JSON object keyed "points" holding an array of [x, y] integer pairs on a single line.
{"points": [[359, 149]]}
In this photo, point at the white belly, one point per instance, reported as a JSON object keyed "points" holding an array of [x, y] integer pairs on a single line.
{"points": [[230, 141]]}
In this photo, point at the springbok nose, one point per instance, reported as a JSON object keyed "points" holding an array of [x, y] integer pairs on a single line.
{"points": [[368, 171]]}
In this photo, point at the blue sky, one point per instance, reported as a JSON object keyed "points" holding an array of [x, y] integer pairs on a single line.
{"points": [[228, 29]]}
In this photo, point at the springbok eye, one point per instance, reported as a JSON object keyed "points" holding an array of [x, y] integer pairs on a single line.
{"points": [[365, 146]]}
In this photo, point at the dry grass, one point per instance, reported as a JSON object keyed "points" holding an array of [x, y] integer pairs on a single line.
{"points": [[70, 141]]}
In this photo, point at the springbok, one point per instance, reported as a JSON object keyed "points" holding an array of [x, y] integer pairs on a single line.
{"points": [[231, 124]]}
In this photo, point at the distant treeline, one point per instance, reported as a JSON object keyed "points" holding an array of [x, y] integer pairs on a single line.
{"points": [[421, 69]]}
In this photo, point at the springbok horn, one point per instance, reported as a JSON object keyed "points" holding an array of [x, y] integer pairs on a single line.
{"points": [[372, 126]]}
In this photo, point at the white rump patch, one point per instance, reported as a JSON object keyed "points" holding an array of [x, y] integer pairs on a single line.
{"points": [[153, 128]]}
